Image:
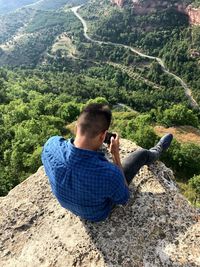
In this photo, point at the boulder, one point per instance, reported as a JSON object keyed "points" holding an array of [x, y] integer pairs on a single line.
{"points": [[158, 227]]}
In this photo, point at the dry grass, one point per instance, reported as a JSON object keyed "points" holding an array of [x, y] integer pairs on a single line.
{"points": [[63, 42], [183, 134]]}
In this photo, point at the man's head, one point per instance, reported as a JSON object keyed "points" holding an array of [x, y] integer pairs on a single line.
{"points": [[94, 122]]}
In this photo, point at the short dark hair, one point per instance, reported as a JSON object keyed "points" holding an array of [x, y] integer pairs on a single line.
{"points": [[94, 119]]}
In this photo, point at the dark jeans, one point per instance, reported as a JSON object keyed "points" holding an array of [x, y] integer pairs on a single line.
{"points": [[132, 164]]}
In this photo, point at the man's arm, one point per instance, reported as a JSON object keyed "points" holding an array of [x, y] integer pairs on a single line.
{"points": [[114, 150]]}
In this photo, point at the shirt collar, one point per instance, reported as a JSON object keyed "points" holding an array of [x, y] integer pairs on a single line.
{"points": [[83, 152]]}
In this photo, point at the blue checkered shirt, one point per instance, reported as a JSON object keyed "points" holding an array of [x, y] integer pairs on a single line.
{"points": [[83, 181]]}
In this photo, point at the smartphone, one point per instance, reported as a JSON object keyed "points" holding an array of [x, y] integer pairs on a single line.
{"points": [[108, 137]]}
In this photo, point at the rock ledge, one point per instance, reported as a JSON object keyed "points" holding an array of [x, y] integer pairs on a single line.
{"points": [[157, 228]]}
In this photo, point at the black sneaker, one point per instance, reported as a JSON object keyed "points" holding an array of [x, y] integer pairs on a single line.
{"points": [[165, 142]]}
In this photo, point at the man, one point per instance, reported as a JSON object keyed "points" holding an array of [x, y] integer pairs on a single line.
{"points": [[81, 178]]}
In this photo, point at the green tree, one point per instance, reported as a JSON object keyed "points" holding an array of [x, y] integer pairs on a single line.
{"points": [[3, 95], [99, 100], [178, 115], [119, 78], [140, 132], [195, 184], [69, 111], [187, 159]]}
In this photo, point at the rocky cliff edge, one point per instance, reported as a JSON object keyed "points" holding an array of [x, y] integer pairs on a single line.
{"points": [[156, 228], [145, 7]]}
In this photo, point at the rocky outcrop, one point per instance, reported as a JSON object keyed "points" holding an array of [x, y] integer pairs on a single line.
{"points": [[150, 6], [147, 6], [119, 3], [194, 15], [156, 228]]}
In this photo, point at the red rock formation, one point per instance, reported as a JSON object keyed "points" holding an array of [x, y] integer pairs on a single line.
{"points": [[119, 3], [151, 6], [194, 15]]}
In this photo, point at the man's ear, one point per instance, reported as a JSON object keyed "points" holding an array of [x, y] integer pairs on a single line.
{"points": [[103, 135]]}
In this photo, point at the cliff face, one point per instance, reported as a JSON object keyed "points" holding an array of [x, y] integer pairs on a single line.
{"points": [[151, 6], [146, 6], [156, 228], [194, 15], [119, 3]]}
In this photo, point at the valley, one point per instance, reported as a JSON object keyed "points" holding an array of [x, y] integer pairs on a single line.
{"points": [[187, 90], [57, 56]]}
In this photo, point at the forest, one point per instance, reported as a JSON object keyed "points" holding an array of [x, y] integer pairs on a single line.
{"points": [[37, 104], [166, 34], [50, 71]]}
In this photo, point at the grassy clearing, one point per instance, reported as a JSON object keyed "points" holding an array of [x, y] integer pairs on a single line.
{"points": [[64, 43], [183, 134]]}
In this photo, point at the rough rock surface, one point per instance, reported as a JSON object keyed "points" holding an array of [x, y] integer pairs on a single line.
{"points": [[194, 15], [156, 228], [119, 3], [150, 6]]}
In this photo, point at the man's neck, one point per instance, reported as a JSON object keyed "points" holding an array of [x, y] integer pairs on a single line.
{"points": [[83, 143]]}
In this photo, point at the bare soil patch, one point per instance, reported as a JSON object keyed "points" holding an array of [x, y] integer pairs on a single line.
{"points": [[183, 134]]}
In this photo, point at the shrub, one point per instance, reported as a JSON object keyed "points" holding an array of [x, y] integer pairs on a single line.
{"points": [[195, 184], [178, 115]]}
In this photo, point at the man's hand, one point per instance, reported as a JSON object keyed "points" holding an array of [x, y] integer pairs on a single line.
{"points": [[114, 150], [114, 145]]}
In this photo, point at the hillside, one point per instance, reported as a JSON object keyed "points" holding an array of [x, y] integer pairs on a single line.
{"points": [[183, 134], [166, 33], [52, 5], [54, 59], [12, 5], [9, 6], [190, 8], [26, 40], [156, 228], [35, 39]]}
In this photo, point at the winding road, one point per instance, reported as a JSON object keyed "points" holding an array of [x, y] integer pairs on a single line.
{"points": [[187, 90]]}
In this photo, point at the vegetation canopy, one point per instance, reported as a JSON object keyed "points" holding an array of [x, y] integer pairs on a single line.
{"points": [[49, 71]]}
